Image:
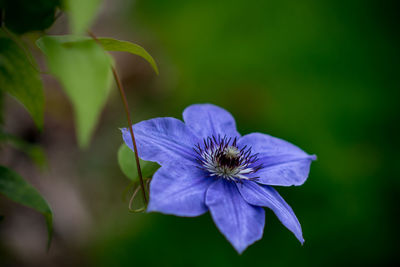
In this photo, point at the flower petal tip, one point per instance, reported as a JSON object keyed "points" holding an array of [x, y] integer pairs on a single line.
{"points": [[240, 250]]}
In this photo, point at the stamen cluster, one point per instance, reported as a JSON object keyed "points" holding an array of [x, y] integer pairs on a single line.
{"points": [[222, 157]]}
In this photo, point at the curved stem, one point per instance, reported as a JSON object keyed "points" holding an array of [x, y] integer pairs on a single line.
{"points": [[128, 117], [131, 202]]}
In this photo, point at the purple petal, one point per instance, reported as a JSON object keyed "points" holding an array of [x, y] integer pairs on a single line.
{"points": [[179, 190], [241, 223], [266, 196], [162, 140], [207, 120], [283, 163]]}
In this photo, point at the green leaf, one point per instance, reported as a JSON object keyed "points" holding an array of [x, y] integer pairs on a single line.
{"points": [[111, 44], [19, 77], [13, 186], [34, 151], [127, 163], [81, 14], [84, 70]]}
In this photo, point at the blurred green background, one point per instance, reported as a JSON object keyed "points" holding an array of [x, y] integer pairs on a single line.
{"points": [[323, 75]]}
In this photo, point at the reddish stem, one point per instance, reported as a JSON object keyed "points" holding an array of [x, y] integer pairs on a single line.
{"points": [[128, 117]]}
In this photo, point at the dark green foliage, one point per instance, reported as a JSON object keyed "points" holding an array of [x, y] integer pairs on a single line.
{"points": [[17, 189], [23, 16], [19, 77], [34, 151]]}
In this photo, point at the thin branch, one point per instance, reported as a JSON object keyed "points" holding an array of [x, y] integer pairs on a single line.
{"points": [[128, 117], [124, 100]]}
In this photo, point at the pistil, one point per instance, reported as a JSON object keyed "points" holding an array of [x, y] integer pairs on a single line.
{"points": [[221, 157]]}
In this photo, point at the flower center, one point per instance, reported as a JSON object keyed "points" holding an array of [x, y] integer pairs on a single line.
{"points": [[221, 157]]}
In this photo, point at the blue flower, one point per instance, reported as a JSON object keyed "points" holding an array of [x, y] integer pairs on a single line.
{"points": [[206, 165]]}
